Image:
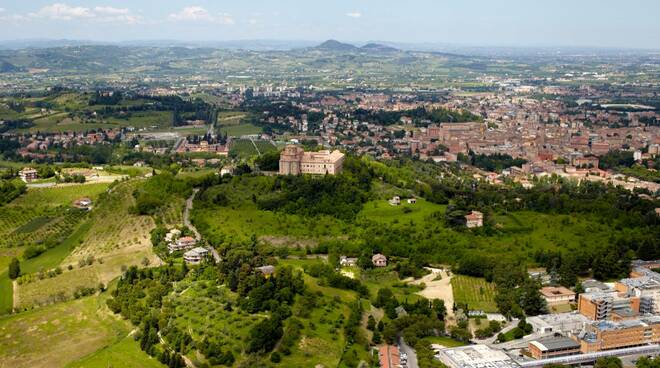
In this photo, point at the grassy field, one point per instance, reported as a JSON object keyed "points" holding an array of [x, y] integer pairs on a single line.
{"points": [[124, 354], [240, 130], [239, 224], [444, 341], [244, 148], [59, 334], [475, 292], [383, 212]]}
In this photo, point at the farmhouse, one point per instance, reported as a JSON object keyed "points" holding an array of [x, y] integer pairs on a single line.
{"points": [[266, 270], [83, 203], [28, 174], [379, 260], [347, 261], [294, 161], [474, 219], [195, 256], [395, 201]]}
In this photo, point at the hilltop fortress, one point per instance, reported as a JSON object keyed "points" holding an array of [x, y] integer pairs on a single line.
{"points": [[294, 161]]}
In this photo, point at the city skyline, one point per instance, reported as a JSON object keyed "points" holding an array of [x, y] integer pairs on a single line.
{"points": [[475, 23]]}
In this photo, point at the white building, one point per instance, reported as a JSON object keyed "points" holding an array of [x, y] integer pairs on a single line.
{"points": [[195, 256], [568, 323], [476, 356]]}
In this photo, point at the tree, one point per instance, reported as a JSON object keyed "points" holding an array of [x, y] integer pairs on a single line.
{"points": [[645, 362], [371, 323], [14, 269], [608, 362]]}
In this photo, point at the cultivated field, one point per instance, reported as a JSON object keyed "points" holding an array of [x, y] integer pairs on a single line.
{"points": [[63, 333], [95, 254], [475, 292]]}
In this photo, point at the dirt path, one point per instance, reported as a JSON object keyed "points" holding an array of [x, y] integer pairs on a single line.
{"points": [[14, 290], [437, 289], [186, 215]]}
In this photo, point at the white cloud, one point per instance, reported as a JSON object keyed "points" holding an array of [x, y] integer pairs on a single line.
{"points": [[192, 13], [2, 10], [225, 18], [199, 14], [111, 11], [354, 15], [63, 12]]}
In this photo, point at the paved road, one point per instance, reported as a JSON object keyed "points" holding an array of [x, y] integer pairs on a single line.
{"points": [[186, 221], [412, 355]]}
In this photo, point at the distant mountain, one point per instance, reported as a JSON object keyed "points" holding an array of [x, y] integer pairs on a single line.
{"points": [[6, 67], [333, 45], [378, 47]]}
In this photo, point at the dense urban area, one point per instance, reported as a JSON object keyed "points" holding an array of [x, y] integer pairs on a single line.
{"points": [[329, 206]]}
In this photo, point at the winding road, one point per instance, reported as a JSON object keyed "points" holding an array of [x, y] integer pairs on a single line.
{"points": [[186, 221]]}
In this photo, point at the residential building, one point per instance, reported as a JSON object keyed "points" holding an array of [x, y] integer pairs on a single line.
{"points": [[183, 243], [553, 347], [379, 260], [557, 295], [294, 161], [28, 174], [195, 256], [266, 270], [395, 201], [474, 219], [347, 261], [83, 203]]}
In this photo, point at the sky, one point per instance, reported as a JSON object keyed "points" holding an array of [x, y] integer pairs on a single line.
{"points": [[595, 23]]}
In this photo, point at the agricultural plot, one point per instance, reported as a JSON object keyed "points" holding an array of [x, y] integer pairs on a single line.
{"points": [[44, 213], [475, 292], [111, 239], [63, 333], [247, 148], [240, 130], [201, 309]]}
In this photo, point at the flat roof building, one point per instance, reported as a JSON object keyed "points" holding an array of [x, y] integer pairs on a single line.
{"points": [[557, 295], [569, 323], [553, 347], [476, 356]]}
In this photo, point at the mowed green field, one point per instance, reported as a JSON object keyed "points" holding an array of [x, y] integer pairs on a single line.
{"points": [[240, 129], [124, 354], [475, 292]]}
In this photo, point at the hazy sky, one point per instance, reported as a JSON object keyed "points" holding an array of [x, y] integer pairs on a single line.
{"points": [[630, 23]]}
